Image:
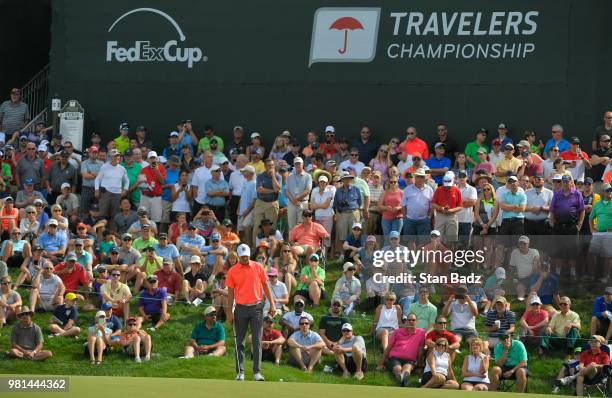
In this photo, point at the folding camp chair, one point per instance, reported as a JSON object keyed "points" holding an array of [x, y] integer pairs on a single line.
{"points": [[602, 384]]}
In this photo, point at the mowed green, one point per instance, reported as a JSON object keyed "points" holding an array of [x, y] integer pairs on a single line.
{"points": [[169, 341], [94, 387]]}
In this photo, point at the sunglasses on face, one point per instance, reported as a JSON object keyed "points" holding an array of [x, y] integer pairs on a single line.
{"points": [[49, 268], [563, 304], [4, 283], [392, 182], [441, 323], [488, 189], [115, 274], [440, 345], [304, 323], [354, 154], [127, 239], [131, 324]]}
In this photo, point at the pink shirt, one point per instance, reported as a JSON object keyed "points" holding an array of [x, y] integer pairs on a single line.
{"points": [[308, 236], [393, 199], [404, 345]]}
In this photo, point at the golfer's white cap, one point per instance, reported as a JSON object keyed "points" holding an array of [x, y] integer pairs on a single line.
{"points": [[243, 250]]}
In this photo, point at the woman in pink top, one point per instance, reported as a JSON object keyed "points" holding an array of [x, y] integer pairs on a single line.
{"points": [[381, 162], [484, 164], [389, 204]]}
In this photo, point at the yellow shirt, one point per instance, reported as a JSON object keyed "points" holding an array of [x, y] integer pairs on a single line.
{"points": [[504, 165], [259, 167], [559, 321], [122, 291], [123, 143]]}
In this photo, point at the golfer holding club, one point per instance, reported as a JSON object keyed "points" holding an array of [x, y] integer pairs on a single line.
{"points": [[247, 282]]}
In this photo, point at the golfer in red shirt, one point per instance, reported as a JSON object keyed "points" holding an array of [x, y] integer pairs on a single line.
{"points": [[247, 282]]}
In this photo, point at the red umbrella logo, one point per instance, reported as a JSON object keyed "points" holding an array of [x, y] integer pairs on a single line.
{"points": [[346, 23]]}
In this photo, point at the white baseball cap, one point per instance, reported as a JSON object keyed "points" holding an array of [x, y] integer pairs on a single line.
{"points": [[152, 154], [298, 159], [323, 178], [243, 250], [65, 185], [195, 259], [500, 273], [330, 129], [248, 168], [346, 326]]}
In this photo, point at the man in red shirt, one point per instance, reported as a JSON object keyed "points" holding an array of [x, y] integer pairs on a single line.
{"points": [[152, 179], [272, 342], [329, 148], [440, 331], [413, 144], [170, 279], [579, 158], [592, 362], [247, 282], [307, 235], [72, 273], [447, 202]]}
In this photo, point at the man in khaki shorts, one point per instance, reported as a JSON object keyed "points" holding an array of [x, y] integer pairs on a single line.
{"points": [[447, 202], [347, 202]]}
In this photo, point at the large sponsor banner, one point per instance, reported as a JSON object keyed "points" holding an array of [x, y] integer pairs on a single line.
{"points": [[267, 42]]}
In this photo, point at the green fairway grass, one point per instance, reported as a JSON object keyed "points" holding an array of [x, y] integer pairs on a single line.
{"points": [[169, 342]]}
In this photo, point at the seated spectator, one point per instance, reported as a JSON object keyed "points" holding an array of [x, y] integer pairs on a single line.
{"points": [[178, 228], [545, 285], [64, 319], [307, 235], [16, 251], [279, 291], [72, 273], [153, 304], [286, 265], [9, 217], [568, 372], [347, 289], [170, 280], [53, 243], [353, 242], [266, 232], [351, 353], [438, 372], [387, 318], [146, 238], [10, 301], [27, 338], [219, 294], [602, 314], [47, 288], [330, 326], [533, 322], [190, 244], [207, 337], [143, 219], [475, 368], [135, 341], [592, 362], [214, 255], [229, 239], [404, 350], [62, 222], [117, 294], [312, 282], [500, 321], [168, 250], [272, 341], [494, 283], [452, 342], [563, 330], [479, 296], [305, 346], [121, 221], [424, 310], [29, 225], [195, 280], [69, 203], [510, 363], [525, 263], [98, 338], [375, 293], [364, 259], [290, 321], [462, 311]]}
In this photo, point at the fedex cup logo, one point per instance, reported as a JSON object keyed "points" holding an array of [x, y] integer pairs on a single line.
{"points": [[344, 35], [144, 51]]}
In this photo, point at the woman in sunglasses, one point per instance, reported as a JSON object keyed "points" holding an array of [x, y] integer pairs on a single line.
{"points": [[16, 252], [29, 225], [438, 372], [286, 265], [485, 223], [10, 301], [136, 341]]}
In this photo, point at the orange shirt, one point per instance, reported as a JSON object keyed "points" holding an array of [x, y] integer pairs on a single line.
{"points": [[607, 178], [229, 237], [13, 215], [308, 236], [247, 282]]}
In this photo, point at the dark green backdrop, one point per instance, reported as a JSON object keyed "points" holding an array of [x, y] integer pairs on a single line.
{"points": [[257, 71]]}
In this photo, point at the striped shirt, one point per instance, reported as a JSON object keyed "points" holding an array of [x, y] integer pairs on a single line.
{"points": [[13, 116], [507, 318]]}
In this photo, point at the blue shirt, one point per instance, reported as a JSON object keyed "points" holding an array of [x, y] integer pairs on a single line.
{"points": [[548, 288], [435, 163], [65, 314], [212, 185], [186, 141], [42, 221], [563, 145], [600, 306], [309, 339], [170, 251], [264, 180], [84, 258], [52, 243], [210, 258], [152, 303], [196, 241], [282, 196], [172, 177], [247, 196], [516, 199], [347, 199], [169, 151]]}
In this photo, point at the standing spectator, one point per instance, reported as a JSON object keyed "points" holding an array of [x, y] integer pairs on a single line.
{"points": [[536, 211], [404, 350], [268, 188], [171, 180], [465, 217], [600, 159], [500, 322], [89, 171], [390, 205], [551, 166], [111, 184], [485, 166], [151, 187], [563, 330], [600, 131], [473, 147], [353, 161], [447, 202], [124, 218], [382, 162], [502, 134], [217, 190], [27, 338], [297, 189], [305, 347], [153, 304], [207, 337], [61, 172], [416, 200], [556, 140], [510, 363], [601, 243], [508, 165], [247, 283], [236, 181], [237, 143], [321, 202], [351, 353], [579, 159], [512, 201], [452, 149], [496, 154], [30, 167], [209, 135], [14, 114], [347, 202], [439, 164], [246, 205], [365, 145], [64, 319], [132, 168], [122, 142], [475, 368], [413, 144], [173, 149]]}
